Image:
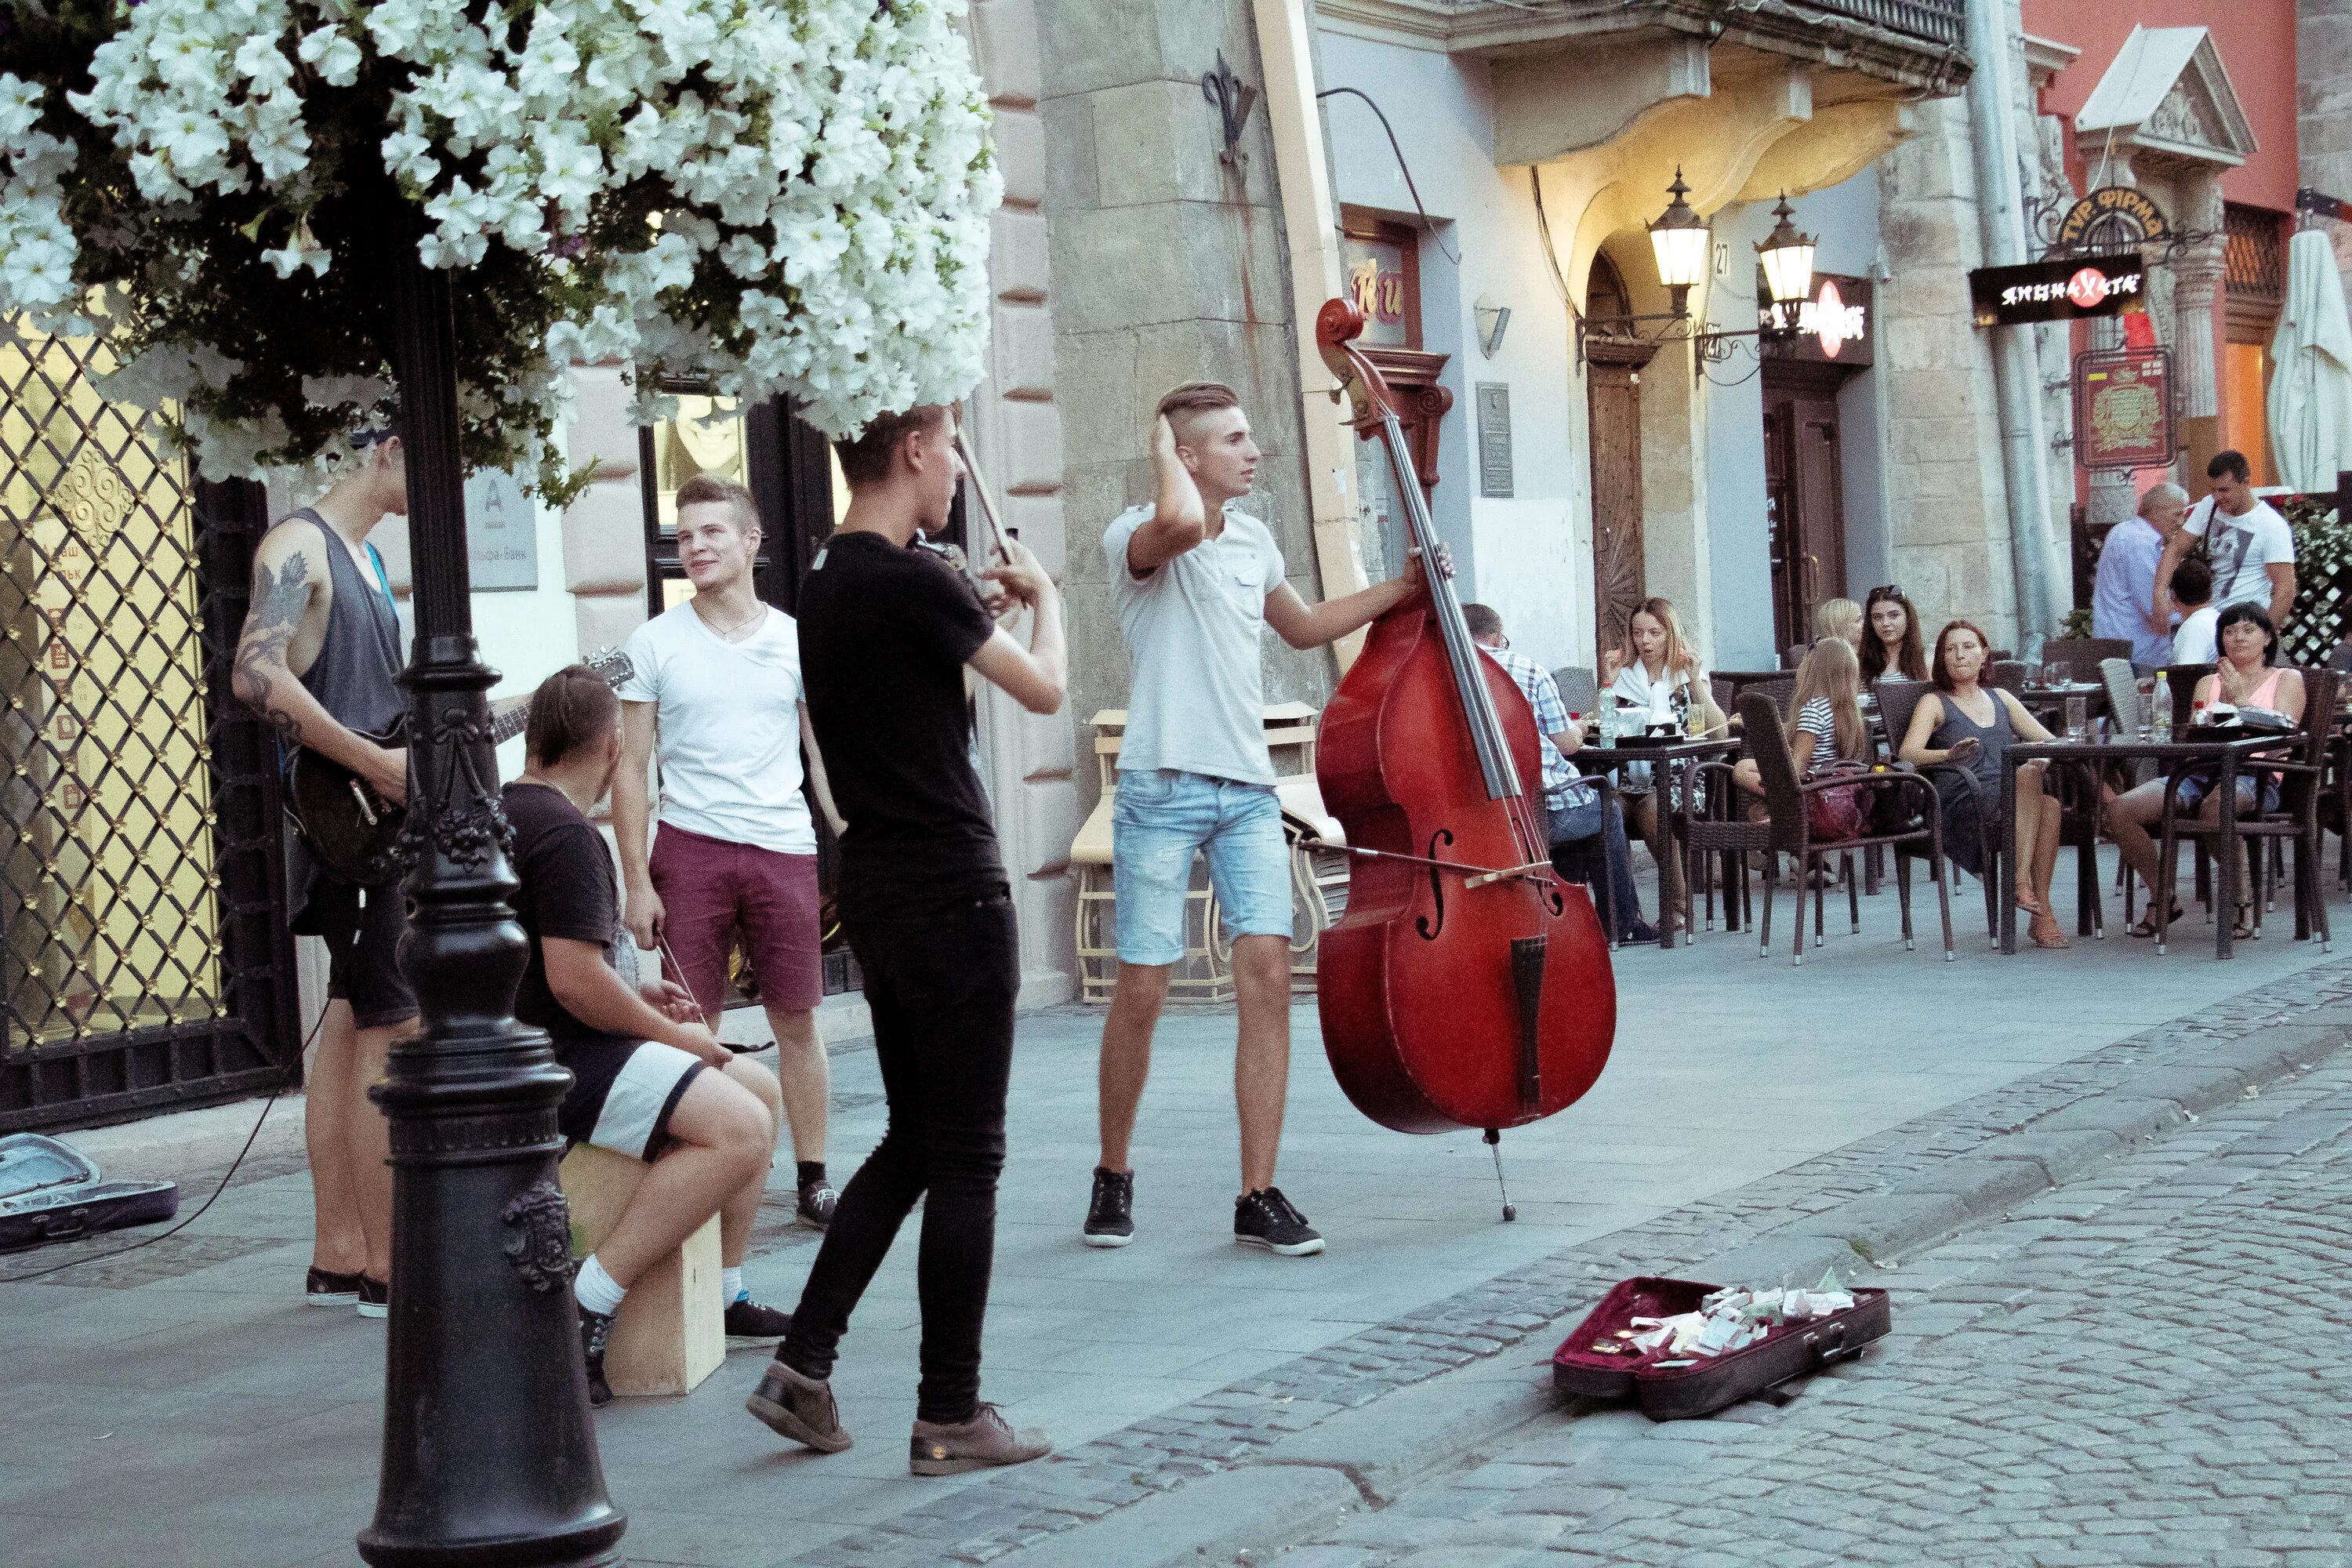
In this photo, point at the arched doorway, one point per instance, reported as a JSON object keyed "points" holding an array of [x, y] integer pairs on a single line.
{"points": [[1612, 380]]}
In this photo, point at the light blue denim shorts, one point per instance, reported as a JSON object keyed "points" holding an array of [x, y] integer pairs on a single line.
{"points": [[1158, 817]]}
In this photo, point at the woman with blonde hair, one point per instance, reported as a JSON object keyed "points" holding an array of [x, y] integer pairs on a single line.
{"points": [[1841, 620], [1654, 678], [1824, 717]]}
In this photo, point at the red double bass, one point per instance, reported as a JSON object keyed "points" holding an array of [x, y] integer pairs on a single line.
{"points": [[1467, 985]]}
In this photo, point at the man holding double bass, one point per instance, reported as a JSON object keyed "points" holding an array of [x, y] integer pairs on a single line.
{"points": [[1199, 581]]}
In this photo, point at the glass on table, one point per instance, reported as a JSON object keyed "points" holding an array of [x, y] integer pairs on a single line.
{"points": [[2078, 708]]}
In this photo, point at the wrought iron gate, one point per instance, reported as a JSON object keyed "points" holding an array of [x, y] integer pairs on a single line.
{"points": [[144, 961]]}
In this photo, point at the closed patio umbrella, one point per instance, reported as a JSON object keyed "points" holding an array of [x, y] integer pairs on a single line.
{"points": [[2311, 385]]}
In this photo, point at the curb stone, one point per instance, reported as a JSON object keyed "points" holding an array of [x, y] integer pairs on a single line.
{"points": [[1493, 1323], [1364, 1458], [2048, 1151]]}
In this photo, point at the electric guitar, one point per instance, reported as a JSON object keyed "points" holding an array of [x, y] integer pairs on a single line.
{"points": [[354, 831]]}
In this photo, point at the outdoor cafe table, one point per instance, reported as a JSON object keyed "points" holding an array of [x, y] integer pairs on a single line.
{"points": [[1673, 762], [2226, 755]]}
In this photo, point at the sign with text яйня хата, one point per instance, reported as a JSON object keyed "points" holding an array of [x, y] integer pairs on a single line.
{"points": [[2060, 289]]}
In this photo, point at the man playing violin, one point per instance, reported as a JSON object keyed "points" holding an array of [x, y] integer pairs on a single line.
{"points": [[885, 634], [1198, 583]]}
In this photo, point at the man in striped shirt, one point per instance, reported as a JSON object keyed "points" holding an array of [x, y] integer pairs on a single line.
{"points": [[1571, 802]]}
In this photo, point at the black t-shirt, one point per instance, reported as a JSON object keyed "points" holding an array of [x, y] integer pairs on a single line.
{"points": [[567, 891], [884, 633]]}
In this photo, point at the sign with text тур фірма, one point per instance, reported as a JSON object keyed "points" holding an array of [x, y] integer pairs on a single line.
{"points": [[2060, 289]]}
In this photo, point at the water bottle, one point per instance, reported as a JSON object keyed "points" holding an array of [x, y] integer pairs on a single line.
{"points": [[2159, 718], [1608, 718]]}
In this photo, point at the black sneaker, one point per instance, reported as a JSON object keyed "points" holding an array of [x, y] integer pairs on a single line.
{"points": [[1642, 931], [818, 1200], [798, 1407], [595, 1328], [323, 1289], [374, 1298], [1110, 1213], [1267, 1219], [748, 1322]]}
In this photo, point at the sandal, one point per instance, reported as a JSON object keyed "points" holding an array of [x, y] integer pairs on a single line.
{"points": [[2244, 929], [2045, 933], [2146, 926]]}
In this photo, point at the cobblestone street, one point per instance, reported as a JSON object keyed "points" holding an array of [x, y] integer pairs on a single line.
{"points": [[2143, 1367]]}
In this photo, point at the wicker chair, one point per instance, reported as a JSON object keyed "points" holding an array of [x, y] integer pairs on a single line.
{"points": [[2296, 820], [2010, 674], [1579, 691], [1897, 701], [2084, 655], [1588, 859], [2116, 673], [1789, 830]]}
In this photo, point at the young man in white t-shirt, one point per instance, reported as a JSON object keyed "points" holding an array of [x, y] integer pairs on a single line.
{"points": [[2250, 545], [715, 684], [1198, 583]]}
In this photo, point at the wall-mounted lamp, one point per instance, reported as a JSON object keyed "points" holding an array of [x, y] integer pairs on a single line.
{"points": [[1234, 98], [1493, 321], [1681, 242]]}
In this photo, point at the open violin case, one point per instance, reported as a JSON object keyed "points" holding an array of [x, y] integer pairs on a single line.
{"points": [[1700, 1385]]}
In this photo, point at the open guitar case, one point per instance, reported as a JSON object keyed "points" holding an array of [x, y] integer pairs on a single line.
{"points": [[53, 1191], [1702, 1384]]}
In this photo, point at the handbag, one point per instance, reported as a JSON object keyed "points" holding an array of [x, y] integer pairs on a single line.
{"points": [[1835, 813]]}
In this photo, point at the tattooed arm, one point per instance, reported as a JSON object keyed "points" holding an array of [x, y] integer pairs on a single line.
{"points": [[289, 578]]}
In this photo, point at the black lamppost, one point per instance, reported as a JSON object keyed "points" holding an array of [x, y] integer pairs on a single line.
{"points": [[489, 1454]]}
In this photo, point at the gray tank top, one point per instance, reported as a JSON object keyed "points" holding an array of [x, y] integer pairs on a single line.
{"points": [[1992, 739], [356, 676]]}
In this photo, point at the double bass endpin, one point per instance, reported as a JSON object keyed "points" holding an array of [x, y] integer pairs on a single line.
{"points": [[1495, 1142]]}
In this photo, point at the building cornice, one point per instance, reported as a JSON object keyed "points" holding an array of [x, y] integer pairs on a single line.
{"points": [[1816, 34]]}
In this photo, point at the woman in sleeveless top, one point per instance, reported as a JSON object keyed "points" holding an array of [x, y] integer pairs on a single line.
{"points": [[2247, 676], [1971, 725]]}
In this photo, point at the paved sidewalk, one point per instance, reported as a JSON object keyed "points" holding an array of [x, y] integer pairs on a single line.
{"points": [[2144, 1368], [1743, 1094]]}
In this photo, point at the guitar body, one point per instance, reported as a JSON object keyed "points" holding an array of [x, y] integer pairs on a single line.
{"points": [[354, 832], [1425, 1012], [348, 828]]}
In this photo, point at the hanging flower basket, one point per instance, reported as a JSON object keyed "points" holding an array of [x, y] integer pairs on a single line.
{"points": [[760, 197]]}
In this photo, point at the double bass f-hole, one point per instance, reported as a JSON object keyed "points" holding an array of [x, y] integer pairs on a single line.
{"points": [[1443, 837]]}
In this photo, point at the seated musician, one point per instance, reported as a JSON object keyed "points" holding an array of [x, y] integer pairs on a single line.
{"points": [[637, 1054], [1572, 805]]}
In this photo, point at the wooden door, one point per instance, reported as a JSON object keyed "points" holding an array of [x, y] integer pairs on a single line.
{"points": [[1805, 507], [1614, 392]]}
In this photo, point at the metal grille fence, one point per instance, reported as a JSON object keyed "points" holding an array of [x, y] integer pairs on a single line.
{"points": [[142, 961], [2322, 572]]}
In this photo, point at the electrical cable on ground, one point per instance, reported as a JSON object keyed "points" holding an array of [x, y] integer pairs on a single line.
{"points": [[226, 1177]]}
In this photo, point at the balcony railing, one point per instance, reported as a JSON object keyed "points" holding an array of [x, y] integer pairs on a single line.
{"points": [[1938, 21]]}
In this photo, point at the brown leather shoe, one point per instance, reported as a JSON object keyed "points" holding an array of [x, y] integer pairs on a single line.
{"points": [[986, 1440], [798, 1407]]}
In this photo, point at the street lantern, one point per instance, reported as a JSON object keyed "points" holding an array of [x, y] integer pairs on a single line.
{"points": [[1787, 258], [1679, 240]]}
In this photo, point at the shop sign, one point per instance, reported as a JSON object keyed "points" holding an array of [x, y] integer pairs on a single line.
{"points": [[1830, 328], [1495, 471], [501, 534], [2123, 408], [2061, 289], [1380, 284], [2114, 214]]}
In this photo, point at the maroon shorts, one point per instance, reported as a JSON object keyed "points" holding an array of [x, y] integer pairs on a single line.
{"points": [[711, 890]]}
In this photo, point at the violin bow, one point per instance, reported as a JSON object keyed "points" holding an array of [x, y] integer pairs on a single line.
{"points": [[978, 490]]}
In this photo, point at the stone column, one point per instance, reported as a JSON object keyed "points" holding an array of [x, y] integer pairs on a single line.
{"points": [[2322, 58], [2196, 319], [1170, 264], [1015, 423]]}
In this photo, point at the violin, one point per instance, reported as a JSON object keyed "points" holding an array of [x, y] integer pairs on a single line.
{"points": [[1467, 985]]}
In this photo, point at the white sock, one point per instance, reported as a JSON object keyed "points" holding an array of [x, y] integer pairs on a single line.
{"points": [[731, 1288], [596, 1290]]}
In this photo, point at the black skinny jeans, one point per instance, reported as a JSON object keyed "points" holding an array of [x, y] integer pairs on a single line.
{"points": [[940, 977]]}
